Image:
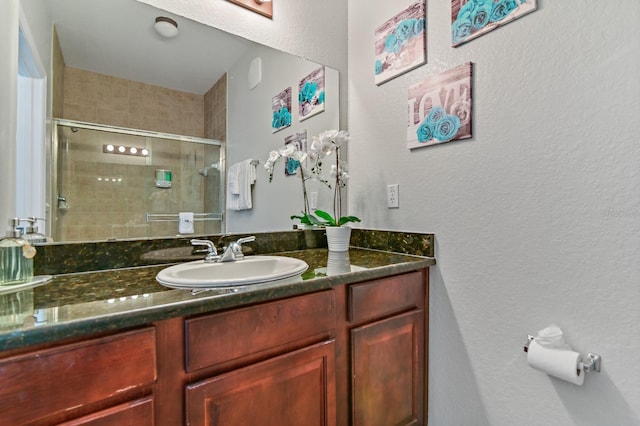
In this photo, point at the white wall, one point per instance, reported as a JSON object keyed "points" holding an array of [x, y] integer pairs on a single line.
{"points": [[250, 136], [537, 217], [8, 102]]}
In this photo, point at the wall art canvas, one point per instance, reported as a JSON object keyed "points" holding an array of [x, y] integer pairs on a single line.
{"points": [[281, 109], [311, 94], [299, 140], [472, 18], [439, 108], [400, 43]]}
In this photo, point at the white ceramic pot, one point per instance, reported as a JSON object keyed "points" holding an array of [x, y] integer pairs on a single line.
{"points": [[338, 237]]}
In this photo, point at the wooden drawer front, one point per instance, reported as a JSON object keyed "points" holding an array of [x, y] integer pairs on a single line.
{"points": [[134, 413], [45, 383], [386, 296], [297, 388], [241, 333]]}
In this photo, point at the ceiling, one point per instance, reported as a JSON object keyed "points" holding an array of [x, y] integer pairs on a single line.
{"points": [[117, 38]]}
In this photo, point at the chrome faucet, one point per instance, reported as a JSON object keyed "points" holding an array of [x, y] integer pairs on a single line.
{"points": [[234, 250], [212, 253]]}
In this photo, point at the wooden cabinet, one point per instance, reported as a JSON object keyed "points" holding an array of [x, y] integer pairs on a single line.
{"points": [[387, 363], [268, 364], [293, 389], [73, 380], [352, 355], [381, 351]]}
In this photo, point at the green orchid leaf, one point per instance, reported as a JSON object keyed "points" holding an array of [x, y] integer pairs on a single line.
{"points": [[347, 219], [326, 216]]}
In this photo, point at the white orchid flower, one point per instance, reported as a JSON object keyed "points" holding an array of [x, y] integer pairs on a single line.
{"points": [[299, 156], [288, 150]]}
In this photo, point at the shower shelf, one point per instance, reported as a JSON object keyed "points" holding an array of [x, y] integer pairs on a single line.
{"points": [[174, 217]]}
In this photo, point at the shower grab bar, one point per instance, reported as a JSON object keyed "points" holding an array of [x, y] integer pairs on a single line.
{"points": [[175, 217]]}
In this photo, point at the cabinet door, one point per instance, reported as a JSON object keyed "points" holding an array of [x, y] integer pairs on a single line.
{"points": [[388, 371], [296, 388]]}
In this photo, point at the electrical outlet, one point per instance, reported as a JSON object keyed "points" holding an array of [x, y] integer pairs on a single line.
{"points": [[313, 200], [393, 199]]}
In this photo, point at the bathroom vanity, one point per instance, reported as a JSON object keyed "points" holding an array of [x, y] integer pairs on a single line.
{"points": [[114, 347]]}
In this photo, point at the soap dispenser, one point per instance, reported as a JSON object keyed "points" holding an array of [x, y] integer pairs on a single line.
{"points": [[16, 257], [31, 232]]}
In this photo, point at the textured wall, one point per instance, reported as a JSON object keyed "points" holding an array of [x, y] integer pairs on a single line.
{"points": [[536, 217]]}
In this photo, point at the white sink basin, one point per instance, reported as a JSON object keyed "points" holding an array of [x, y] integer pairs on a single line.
{"points": [[250, 270]]}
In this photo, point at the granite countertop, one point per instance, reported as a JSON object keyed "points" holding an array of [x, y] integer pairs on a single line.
{"points": [[80, 304]]}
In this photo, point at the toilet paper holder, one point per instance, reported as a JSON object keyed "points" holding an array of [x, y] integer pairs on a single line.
{"points": [[592, 363]]}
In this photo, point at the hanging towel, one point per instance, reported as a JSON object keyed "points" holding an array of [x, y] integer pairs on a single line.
{"points": [[233, 184], [185, 223], [246, 172]]}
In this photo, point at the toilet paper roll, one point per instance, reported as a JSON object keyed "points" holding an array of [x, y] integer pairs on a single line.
{"points": [[560, 363]]}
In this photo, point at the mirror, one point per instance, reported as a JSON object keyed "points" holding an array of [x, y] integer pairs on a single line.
{"points": [[103, 43]]}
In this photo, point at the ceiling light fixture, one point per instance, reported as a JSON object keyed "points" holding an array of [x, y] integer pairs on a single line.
{"points": [[166, 27]]}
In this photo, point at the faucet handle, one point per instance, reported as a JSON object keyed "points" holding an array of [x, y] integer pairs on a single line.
{"points": [[235, 249], [246, 239], [212, 253]]}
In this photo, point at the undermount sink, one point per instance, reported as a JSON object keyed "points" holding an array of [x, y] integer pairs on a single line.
{"points": [[250, 270]]}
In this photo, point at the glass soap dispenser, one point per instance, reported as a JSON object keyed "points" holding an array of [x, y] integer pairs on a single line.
{"points": [[16, 257]]}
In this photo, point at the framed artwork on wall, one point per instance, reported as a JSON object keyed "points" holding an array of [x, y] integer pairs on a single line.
{"points": [[311, 94], [299, 141], [439, 108], [263, 7], [281, 110], [473, 18], [400, 43]]}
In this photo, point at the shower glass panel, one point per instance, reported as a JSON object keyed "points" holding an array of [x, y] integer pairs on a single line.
{"points": [[99, 193]]}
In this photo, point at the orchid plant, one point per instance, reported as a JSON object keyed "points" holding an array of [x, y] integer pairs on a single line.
{"points": [[328, 142], [323, 145], [294, 161]]}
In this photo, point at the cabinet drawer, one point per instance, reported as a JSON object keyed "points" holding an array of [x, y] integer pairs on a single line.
{"points": [[47, 383], [375, 299], [246, 334]]}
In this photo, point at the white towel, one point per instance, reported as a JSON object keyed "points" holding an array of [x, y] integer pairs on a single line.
{"points": [[185, 223], [233, 184], [246, 172]]}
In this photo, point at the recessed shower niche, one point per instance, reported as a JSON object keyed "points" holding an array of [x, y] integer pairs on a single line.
{"points": [[104, 183]]}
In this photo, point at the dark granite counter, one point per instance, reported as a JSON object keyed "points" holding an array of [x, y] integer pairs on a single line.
{"points": [[80, 304]]}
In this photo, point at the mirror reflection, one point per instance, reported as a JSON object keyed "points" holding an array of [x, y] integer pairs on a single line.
{"points": [[111, 69], [129, 184]]}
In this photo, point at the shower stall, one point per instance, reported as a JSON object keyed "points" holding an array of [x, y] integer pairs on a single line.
{"points": [[117, 183]]}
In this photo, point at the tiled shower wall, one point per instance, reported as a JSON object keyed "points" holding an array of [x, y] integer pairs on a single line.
{"points": [[109, 195]]}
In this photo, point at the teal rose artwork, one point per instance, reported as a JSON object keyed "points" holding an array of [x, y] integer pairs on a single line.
{"points": [[311, 94], [473, 18], [400, 43], [281, 110], [439, 108]]}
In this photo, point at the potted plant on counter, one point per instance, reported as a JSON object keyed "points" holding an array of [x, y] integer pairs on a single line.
{"points": [[338, 235]]}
